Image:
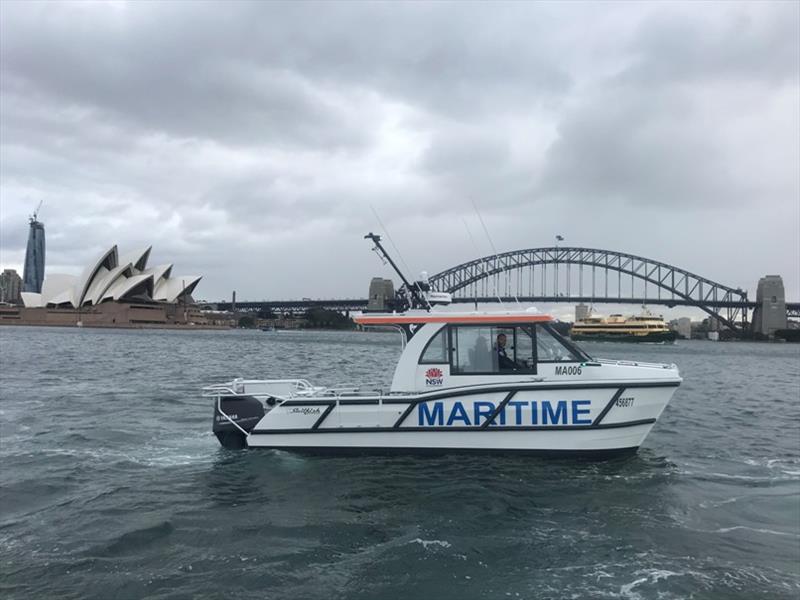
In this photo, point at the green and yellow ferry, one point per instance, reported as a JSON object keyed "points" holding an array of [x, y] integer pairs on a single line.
{"points": [[645, 327]]}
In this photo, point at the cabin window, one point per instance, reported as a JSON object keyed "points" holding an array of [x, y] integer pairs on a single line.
{"points": [[436, 350], [549, 348], [524, 349], [489, 350]]}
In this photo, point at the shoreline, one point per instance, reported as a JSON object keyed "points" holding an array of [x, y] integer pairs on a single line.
{"points": [[121, 326]]}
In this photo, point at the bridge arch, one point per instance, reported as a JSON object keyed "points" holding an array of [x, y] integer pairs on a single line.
{"points": [[683, 287]]}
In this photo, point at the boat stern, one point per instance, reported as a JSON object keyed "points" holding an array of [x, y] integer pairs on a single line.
{"points": [[234, 419]]}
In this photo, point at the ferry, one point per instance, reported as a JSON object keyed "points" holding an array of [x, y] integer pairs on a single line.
{"points": [[645, 327], [474, 381]]}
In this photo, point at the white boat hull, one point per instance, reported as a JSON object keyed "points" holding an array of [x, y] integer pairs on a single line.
{"points": [[603, 441], [591, 418]]}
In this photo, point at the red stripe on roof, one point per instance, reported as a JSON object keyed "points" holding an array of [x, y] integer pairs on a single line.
{"points": [[442, 318]]}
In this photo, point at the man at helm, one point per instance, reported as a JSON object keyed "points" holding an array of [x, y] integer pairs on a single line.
{"points": [[503, 361]]}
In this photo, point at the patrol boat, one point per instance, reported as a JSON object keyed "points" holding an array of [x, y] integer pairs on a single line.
{"points": [[465, 381]]}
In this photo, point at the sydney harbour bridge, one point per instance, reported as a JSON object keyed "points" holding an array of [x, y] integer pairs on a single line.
{"points": [[570, 275]]}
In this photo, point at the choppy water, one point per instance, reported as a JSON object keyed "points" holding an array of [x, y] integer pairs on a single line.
{"points": [[113, 486]]}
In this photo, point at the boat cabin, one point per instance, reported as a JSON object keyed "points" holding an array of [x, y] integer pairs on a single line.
{"points": [[446, 350]]}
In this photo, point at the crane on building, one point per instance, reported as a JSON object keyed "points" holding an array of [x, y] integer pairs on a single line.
{"points": [[35, 216]]}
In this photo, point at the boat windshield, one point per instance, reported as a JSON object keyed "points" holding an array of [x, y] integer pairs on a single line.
{"points": [[492, 349], [552, 347], [485, 349]]}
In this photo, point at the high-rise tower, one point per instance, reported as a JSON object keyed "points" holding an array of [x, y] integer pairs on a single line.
{"points": [[33, 274]]}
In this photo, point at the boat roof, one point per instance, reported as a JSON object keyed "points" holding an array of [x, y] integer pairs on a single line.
{"points": [[476, 317]]}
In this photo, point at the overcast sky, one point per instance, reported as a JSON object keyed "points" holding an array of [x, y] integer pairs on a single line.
{"points": [[247, 141]]}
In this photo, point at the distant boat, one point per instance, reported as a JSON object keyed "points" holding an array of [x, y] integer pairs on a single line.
{"points": [[645, 327]]}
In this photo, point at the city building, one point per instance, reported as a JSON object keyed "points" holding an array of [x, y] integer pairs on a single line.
{"points": [[10, 287], [33, 272], [682, 326], [582, 311]]}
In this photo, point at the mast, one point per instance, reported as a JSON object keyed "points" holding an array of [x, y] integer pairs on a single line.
{"points": [[419, 301]]}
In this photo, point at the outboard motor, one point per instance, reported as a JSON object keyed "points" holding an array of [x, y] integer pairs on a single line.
{"points": [[245, 411]]}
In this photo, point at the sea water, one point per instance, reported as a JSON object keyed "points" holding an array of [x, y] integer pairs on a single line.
{"points": [[112, 485]]}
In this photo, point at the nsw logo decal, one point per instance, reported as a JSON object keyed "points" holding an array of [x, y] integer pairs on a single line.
{"points": [[434, 376]]}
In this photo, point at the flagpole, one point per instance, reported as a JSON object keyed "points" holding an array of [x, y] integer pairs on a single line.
{"points": [[559, 238]]}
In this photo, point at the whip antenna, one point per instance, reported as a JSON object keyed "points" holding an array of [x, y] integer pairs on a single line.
{"points": [[478, 253], [412, 288], [391, 241], [491, 243]]}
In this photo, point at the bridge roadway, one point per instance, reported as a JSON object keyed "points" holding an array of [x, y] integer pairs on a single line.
{"points": [[356, 304]]}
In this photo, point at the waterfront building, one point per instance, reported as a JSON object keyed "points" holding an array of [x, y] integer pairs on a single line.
{"points": [[682, 326], [10, 287], [715, 324], [112, 278], [113, 291], [128, 314], [33, 273], [582, 311]]}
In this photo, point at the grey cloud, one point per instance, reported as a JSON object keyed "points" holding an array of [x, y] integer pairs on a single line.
{"points": [[742, 45], [252, 138], [145, 79], [689, 122], [476, 164], [465, 150], [615, 149], [268, 73]]}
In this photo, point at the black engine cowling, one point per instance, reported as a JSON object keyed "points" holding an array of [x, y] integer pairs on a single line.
{"points": [[245, 411]]}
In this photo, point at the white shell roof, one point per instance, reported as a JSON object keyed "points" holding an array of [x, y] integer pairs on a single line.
{"points": [[109, 278], [55, 285], [138, 259], [31, 299], [169, 290], [97, 291], [107, 261], [159, 272], [124, 286]]}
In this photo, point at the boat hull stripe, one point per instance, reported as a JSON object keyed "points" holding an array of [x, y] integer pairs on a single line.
{"points": [[324, 415], [499, 409], [457, 319], [458, 428], [608, 406], [405, 414], [406, 450]]}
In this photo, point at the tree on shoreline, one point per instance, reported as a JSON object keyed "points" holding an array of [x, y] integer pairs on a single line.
{"points": [[323, 318]]}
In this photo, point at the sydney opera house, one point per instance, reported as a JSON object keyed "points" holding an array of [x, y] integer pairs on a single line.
{"points": [[114, 290], [111, 278]]}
